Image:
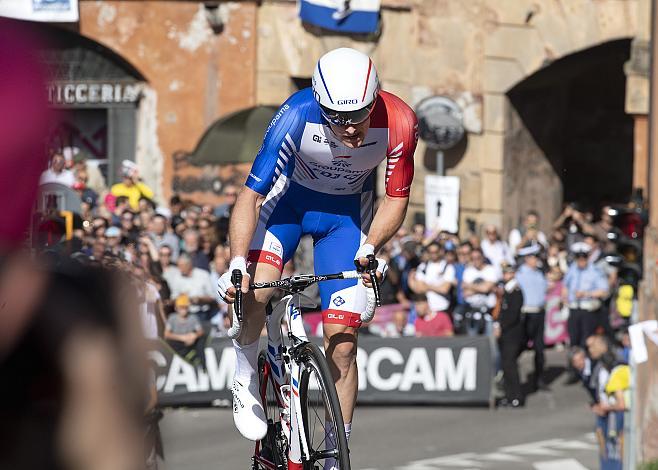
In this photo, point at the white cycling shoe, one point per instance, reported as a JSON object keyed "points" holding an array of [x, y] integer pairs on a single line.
{"points": [[248, 413]]}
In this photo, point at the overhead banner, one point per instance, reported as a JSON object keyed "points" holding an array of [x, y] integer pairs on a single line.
{"points": [[455, 370], [346, 16], [442, 202], [56, 11]]}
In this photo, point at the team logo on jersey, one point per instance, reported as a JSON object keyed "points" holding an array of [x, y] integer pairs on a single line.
{"points": [[338, 161], [276, 247], [338, 301], [324, 140]]}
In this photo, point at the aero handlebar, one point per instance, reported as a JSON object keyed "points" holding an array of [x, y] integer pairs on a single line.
{"points": [[298, 283]]}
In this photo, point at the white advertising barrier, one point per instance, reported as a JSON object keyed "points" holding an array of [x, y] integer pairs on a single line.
{"points": [[393, 370], [442, 202]]}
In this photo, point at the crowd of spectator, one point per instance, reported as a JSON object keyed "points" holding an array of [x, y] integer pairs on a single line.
{"points": [[438, 283], [173, 253]]}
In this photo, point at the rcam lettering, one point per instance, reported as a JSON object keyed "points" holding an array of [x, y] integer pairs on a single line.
{"points": [[447, 374]]}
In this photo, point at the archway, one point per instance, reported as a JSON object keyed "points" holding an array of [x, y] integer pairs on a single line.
{"points": [[567, 135], [97, 92]]}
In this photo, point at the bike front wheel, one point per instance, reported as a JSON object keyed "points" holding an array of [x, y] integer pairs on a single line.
{"points": [[323, 422]]}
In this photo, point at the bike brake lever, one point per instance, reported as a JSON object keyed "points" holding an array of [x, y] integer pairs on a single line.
{"points": [[372, 271], [236, 279]]}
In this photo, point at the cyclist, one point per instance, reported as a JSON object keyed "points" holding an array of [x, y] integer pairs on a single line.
{"points": [[314, 174]]}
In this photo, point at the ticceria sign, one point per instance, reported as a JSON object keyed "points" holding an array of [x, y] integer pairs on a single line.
{"points": [[403, 370], [80, 93]]}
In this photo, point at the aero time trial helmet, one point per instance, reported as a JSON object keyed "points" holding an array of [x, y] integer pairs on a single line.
{"points": [[345, 85]]}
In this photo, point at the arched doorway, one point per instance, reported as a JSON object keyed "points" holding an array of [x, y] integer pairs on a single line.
{"points": [[568, 137], [98, 93]]}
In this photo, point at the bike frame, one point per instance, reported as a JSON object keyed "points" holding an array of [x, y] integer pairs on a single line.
{"points": [[283, 362]]}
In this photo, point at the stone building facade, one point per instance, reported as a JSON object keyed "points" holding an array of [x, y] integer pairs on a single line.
{"points": [[475, 52], [492, 57]]}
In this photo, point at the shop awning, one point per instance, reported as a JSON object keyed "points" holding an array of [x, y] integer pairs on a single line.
{"points": [[234, 138]]}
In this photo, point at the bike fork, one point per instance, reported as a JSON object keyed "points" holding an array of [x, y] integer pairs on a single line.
{"points": [[298, 445]]}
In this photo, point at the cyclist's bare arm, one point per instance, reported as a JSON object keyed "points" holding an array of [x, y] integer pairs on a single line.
{"points": [[244, 218], [387, 220], [242, 226]]}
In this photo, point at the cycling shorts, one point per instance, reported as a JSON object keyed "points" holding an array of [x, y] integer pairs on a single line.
{"points": [[338, 225]]}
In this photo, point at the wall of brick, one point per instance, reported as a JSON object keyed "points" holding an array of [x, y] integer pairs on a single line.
{"points": [[194, 75]]}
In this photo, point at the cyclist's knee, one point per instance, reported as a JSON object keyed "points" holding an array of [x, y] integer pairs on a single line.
{"points": [[262, 272], [341, 350], [260, 298]]}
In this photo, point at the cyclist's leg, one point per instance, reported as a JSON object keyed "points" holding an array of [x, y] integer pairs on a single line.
{"points": [[342, 304], [274, 242]]}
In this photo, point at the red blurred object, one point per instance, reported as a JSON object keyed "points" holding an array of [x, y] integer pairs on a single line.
{"points": [[24, 122], [631, 225], [110, 202]]}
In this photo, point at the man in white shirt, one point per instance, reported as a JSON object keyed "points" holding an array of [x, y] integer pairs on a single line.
{"points": [[528, 234], [57, 173], [195, 283], [435, 278], [478, 284], [496, 250]]}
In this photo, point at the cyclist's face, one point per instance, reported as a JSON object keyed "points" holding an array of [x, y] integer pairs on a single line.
{"points": [[352, 135]]}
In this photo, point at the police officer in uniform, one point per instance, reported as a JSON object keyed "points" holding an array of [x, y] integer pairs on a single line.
{"points": [[509, 331], [532, 282]]}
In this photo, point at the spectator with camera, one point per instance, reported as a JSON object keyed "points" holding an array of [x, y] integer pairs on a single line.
{"points": [[528, 233], [131, 186]]}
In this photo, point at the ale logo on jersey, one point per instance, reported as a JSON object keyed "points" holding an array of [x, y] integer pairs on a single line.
{"points": [[352, 101]]}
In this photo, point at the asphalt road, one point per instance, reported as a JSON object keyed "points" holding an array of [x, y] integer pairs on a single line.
{"points": [[553, 432]]}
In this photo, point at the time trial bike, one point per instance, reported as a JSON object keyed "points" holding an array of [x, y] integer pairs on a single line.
{"points": [[304, 421]]}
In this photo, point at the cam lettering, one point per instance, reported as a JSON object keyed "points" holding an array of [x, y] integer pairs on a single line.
{"points": [[449, 373], [181, 373], [352, 101]]}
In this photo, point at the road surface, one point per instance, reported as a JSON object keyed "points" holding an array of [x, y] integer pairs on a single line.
{"points": [[553, 432]]}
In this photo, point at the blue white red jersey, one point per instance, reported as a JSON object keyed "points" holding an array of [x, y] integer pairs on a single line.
{"points": [[300, 145], [314, 185]]}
